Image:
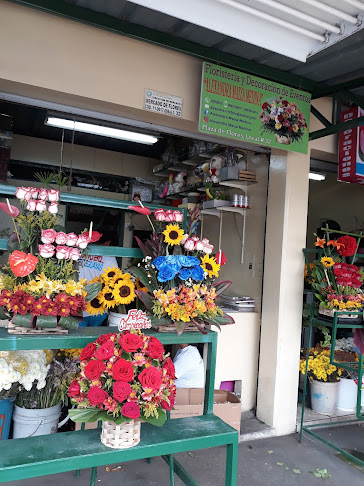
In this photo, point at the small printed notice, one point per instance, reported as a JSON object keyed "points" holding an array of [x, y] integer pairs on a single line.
{"points": [[136, 319], [163, 103]]}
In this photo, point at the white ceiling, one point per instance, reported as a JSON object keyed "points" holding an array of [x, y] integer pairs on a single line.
{"points": [[294, 29]]}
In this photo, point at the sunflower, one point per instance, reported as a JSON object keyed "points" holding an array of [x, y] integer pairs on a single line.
{"points": [[327, 262], [210, 266], [106, 297], [123, 292], [111, 273], [173, 234], [94, 307]]}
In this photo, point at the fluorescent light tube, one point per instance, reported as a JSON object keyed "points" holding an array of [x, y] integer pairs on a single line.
{"points": [[101, 130], [315, 176]]}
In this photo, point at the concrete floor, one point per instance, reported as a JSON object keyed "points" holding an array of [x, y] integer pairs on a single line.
{"points": [[256, 466]]}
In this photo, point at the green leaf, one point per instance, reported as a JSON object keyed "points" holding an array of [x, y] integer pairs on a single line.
{"points": [[84, 414], [270, 452], [280, 463], [160, 321], [69, 322], [126, 355], [317, 475], [23, 321], [143, 277], [47, 322], [180, 326], [158, 422], [146, 299], [286, 468], [296, 471], [121, 420], [92, 290]]}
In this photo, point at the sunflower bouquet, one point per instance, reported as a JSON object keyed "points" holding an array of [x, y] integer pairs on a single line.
{"points": [[338, 284], [178, 274], [117, 291]]}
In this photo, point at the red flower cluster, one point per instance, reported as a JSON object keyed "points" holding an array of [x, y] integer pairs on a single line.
{"points": [[127, 375], [20, 302], [349, 245], [347, 275]]}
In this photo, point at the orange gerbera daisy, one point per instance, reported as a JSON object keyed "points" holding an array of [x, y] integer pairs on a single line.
{"points": [[320, 242]]}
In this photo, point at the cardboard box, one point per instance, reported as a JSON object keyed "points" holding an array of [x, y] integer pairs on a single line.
{"points": [[189, 403]]}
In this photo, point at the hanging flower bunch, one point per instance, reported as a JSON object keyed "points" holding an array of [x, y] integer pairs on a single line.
{"points": [[178, 274], [123, 377], [39, 287], [283, 118], [338, 284], [117, 291]]}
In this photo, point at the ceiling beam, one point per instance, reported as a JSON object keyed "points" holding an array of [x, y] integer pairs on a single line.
{"points": [[339, 127], [145, 34], [325, 90]]}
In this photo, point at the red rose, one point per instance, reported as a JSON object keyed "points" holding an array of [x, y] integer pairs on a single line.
{"points": [[155, 349], [121, 390], [150, 378], [122, 370], [96, 396], [105, 351], [74, 389], [166, 405], [169, 366], [88, 351], [349, 247], [131, 410], [105, 337], [94, 369], [130, 342], [265, 106]]}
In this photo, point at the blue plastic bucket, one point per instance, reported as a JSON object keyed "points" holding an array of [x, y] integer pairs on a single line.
{"points": [[6, 411]]}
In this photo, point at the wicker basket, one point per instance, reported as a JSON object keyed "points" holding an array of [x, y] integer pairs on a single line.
{"points": [[120, 436]]}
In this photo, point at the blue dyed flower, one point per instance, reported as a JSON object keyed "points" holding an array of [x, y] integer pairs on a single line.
{"points": [[188, 261], [185, 273], [159, 262], [198, 273], [166, 273]]}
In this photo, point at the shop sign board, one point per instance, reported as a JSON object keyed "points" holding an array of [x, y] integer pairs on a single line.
{"points": [[243, 107], [351, 149], [136, 319], [162, 103]]}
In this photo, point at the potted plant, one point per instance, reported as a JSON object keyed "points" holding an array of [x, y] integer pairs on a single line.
{"points": [[123, 379], [324, 379]]}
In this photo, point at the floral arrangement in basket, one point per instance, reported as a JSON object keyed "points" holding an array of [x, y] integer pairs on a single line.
{"points": [[39, 286], [123, 377], [117, 291], [284, 119], [338, 284], [178, 272]]}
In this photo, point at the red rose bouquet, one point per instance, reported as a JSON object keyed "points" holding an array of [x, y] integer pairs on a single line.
{"points": [[123, 377]]}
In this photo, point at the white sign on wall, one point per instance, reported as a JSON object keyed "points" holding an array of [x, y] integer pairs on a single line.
{"points": [[162, 103]]}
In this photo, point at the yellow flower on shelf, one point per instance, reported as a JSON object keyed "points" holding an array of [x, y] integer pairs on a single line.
{"points": [[94, 307], [327, 262], [173, 234], [123, 292], [106, 298]]}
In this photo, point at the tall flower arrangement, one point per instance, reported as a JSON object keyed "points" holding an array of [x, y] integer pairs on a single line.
{"points": [[283, 118], [123, 377], [178, 272], [39, 286]]}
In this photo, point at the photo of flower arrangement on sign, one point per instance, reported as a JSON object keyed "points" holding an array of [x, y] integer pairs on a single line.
{"points": [[136, 319]]}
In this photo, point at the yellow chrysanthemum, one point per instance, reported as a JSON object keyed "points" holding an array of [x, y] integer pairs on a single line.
{"points": [[173, 234], [123, 292], [106, 298], [327, 262], [94, 307], [210, 266], [34, 286]]}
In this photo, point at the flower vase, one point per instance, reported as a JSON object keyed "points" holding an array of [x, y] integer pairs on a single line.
{"points": [[121, 436], [283, 139], [343, 319], [114, 318], [324, 396]]}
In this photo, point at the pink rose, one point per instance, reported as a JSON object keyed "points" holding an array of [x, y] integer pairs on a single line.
{"points": [[46, 251], [71, 239], [159, 214], [32, 204], [62, 252], [74, 254], [41, 206], [189, 244], [82, 241], [53, 195], [169, 217], [48, 236], [178, 216], [43, 194], [21, 192], [53, 208], [61, 238]]}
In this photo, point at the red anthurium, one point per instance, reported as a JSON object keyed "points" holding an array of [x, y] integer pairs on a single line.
{"points": [[12, 211], [141, 210], [221, 258], [22, 264], [95, 235]]}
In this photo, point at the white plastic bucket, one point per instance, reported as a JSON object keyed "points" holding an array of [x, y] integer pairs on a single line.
{"points": [[114, 318], [31, 422], [347, 395], [323, 396]]}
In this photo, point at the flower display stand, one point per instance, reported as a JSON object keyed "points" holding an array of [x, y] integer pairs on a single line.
{"points": [[357, 367]]}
